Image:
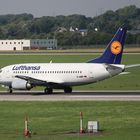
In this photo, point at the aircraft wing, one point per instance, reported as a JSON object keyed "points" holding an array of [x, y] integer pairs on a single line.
{"points": [[30, 79], [131, 66], [39, 82]]}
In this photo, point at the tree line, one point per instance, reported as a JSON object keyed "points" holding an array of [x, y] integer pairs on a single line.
{"points": [[99, 29]]}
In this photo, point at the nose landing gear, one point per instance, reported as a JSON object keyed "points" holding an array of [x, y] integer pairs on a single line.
{"points": [[10, 90]]}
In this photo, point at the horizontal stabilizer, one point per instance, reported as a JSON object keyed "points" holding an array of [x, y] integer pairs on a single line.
{"points": [[113, 66], [131, 66], [124, 73]]}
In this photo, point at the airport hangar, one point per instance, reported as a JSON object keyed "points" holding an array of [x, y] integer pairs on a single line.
{"points": [[28, 44]]}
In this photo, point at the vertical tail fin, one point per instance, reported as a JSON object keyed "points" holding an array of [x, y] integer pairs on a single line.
{"points": [[114, 50]]}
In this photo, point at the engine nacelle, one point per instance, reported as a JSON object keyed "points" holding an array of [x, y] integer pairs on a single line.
{"points": [[20, 84]]}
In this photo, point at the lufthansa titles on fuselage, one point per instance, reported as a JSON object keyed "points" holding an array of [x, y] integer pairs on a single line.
{"points": [[24, 67]]}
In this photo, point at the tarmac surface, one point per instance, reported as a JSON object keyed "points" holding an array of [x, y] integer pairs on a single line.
{"points": [[75, 96]]}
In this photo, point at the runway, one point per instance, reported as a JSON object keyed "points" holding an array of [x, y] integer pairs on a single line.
{"points": [[75, 96]]}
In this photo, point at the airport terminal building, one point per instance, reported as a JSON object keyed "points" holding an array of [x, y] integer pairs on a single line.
{"points": [[28, 44]]}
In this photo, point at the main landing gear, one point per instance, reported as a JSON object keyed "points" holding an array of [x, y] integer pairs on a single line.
{"points": [[48, 90], [68, 90]]}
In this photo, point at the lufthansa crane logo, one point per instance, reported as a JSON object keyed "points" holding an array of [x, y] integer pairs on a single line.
{"points": [[116, 47]]}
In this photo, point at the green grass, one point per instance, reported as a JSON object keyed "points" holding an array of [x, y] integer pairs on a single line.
{"points": [[123, 82], [52, 120], [10, 59]]}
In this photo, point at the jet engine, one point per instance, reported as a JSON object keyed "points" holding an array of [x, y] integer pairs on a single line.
{"points": [[20, 84]]}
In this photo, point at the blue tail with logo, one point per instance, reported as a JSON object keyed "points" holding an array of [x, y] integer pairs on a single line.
{"points": [[114, 50]]}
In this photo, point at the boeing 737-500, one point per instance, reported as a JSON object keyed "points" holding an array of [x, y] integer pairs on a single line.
{"points": [[66, 75]]}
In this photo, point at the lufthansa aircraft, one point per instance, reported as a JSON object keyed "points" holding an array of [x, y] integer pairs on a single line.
{"points": [[66, 75]]}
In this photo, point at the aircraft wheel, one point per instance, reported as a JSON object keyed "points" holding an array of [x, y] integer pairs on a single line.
{"points": [[48, 90], [10, 90], [68, 90]]}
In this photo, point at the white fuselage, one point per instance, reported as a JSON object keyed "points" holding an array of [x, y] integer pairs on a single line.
{"points": [[71, 74]]}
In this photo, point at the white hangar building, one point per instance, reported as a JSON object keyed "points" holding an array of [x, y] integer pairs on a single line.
{"points": [[28, 44]]}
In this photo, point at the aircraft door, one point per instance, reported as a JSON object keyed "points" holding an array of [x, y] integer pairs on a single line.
{"points": [[90, 74]]}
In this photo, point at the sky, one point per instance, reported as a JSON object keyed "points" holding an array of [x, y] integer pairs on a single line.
{"points": [[40, 8]]}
